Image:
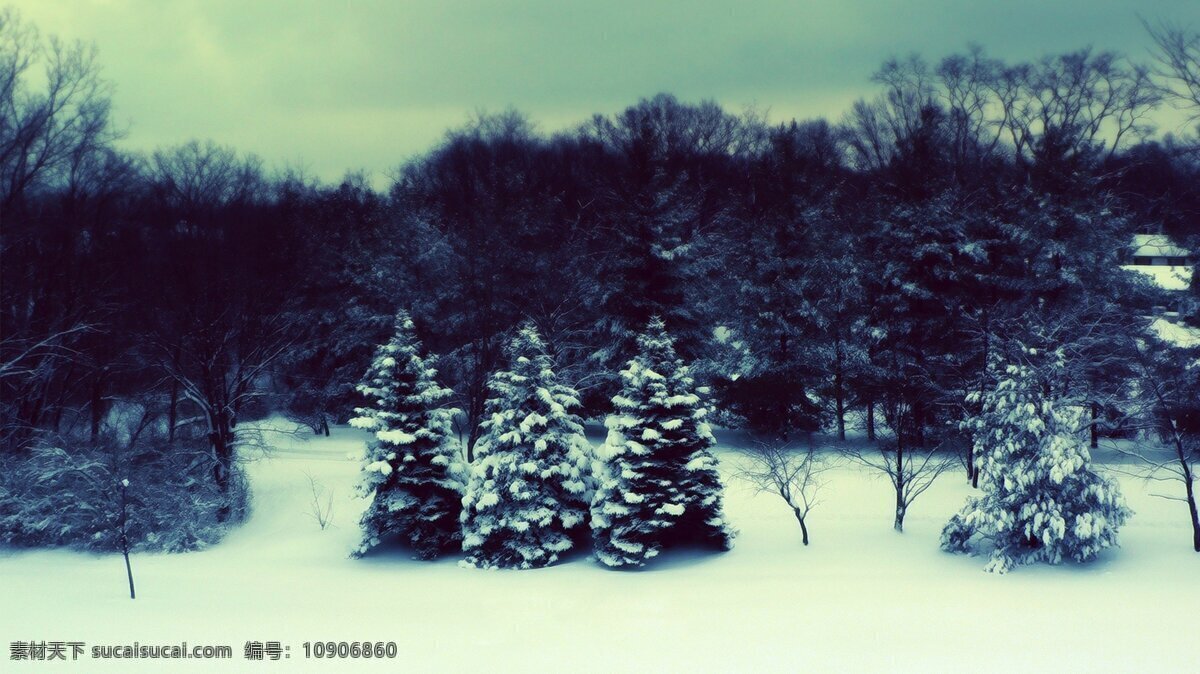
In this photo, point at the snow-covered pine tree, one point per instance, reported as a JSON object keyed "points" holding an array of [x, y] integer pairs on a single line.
{"points": [[1041, 500], [660, 485], [527, 500], [410, 472]]}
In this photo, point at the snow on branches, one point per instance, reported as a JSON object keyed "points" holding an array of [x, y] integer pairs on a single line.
{"points": [[409, 472], [1041, 501], [526, 502], [659, 484]]}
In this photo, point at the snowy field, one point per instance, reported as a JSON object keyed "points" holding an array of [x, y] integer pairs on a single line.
{"points": [[860, 598]]}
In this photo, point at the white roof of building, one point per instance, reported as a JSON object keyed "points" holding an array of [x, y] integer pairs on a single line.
{"points": [[1156, 245]]}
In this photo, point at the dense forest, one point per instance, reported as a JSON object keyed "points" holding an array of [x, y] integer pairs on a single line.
{"points": [[841, 275]]}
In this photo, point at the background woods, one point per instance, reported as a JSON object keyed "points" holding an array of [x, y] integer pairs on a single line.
{"points": [[839, 275]]}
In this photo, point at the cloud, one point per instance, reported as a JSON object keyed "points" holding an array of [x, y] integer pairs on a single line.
{"points": [[364, 84]]}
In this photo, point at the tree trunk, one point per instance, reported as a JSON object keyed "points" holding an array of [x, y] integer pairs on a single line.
{"points": [[1189, 487], [477, 394], [784, 398], [474, 414], [839, 394], [221, 437], [97, 404], [918, 415], [972, 471], [58, 416], [239, 394], [129, 571], [841, 419], [1191, 499], [1095, 431], [173, 410], [803, 527], [60, 404], [37, 404], [325, 425], [220, 470], [871, 421], [124, 523], [900, 485], [1185, 465]]}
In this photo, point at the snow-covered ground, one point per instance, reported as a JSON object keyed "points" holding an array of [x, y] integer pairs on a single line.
{"points": [[860, 598]]}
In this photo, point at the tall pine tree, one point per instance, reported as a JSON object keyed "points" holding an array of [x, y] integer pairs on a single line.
{"points": [[1041, 500], [526, 502], [660, 487], [410, 471]]}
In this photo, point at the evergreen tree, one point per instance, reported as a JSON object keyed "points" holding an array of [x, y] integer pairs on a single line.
{"points": [[1041, 499], [526, 501], [794, 288], [345, 238], [660, 487], [410, 471], [661, 193]]}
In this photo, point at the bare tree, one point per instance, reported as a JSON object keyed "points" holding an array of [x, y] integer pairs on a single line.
{"points": [[320, 509], [218, 366], [1095, 99], [1177, 55], [1168, 395], [21, 357], [197, 180], [1076, 102], [911, 469], [54, 129], [224, 322], [794, 474], [118, 473], [44, 130], [31, 360]]}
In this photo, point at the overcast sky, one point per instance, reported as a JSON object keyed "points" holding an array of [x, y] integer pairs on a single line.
{"points": [[349, 84]]}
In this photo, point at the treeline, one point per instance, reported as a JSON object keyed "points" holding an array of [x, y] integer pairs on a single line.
{"points": [[817, 273]]}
